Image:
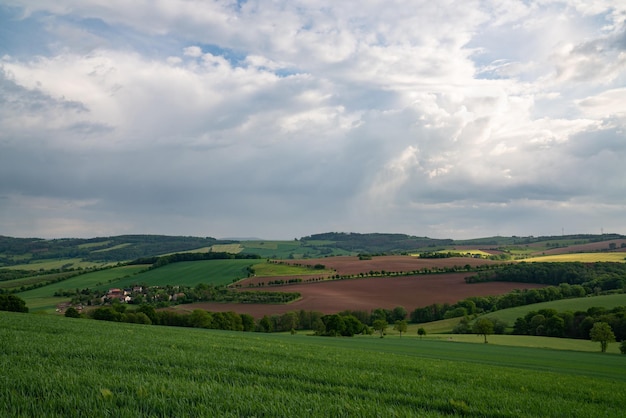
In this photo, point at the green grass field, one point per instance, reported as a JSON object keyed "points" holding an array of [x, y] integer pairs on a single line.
{"points": [[93, 244], [264, 269], [32, 280], [190, 273], [526, 341], [43, 297], [576, 304], [227, 248], [288, 249], [62, 367], [115, 247], [618, 257], [56, 264]]}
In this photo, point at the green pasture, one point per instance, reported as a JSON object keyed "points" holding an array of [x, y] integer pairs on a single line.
{"points": [[289, 249], [265, 269], [191, 273], [32, 280], [321, 242], [575, 304], [115, 247], [47, 264], [93, 244], [526, 341], [61, 367], [270, 245], [617, 257], [196, 250], [42, 298], [443, 326], [227, 248], [271, 249]]}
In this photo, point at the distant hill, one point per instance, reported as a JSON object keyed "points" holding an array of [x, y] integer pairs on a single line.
{"points": [[23, 251], [104, 249]]}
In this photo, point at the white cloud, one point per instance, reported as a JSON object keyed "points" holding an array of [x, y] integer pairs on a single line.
{"points": [[301, 116]]}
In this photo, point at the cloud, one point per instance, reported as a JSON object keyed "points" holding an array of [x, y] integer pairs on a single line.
{"points": [[288, 118]]}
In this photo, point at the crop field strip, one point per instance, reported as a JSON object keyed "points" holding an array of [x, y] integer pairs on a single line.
{"points": [[615, 257], [190, 273], [64, 367]]}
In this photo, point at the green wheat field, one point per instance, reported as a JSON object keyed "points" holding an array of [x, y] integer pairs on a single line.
{"points": [[63, 367]]}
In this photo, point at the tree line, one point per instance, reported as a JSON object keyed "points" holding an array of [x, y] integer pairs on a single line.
{"points": [[483, 304], [103, 249], [160, 261], [601, 275], [346, 323], [569, 324]]}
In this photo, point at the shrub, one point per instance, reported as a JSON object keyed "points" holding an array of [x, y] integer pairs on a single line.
{"points": [[12, 303], [72, 312]]}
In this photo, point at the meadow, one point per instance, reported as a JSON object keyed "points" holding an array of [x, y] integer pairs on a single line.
{"points": [[51, 264], [16, 284], [575, 304], [191, 273], [63, 367], [43, 298], [265, 269]]}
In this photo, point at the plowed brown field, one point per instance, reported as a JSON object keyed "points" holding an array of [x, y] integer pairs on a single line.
{"points": [[370, 293], [392, 263], [587, 248]]}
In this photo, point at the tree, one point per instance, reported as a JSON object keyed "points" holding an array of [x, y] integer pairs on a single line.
{"points": [[380, 325], [399, 313], [335, 325], [266, 324], [400, 326], [106, 314], [483, 327], [200, 319], [463, 327], [601, 332], [352, 326], [149, 311], [247, 322], [622, 347], [421, 332], [72, 312], [12, 303]]}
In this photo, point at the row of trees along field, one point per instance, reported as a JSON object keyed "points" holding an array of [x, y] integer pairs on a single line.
{"points": [[483, 304], [568, 324], [160, 261], [568, 280], [347, 323], [105, 249], [601, 275]]}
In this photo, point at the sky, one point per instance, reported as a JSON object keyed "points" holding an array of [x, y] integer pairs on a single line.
{"points": [[285, 118]]}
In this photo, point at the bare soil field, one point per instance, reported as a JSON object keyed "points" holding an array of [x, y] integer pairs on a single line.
{"points": [[347, 265], [588, 248], [369, 293], [391, 263]]}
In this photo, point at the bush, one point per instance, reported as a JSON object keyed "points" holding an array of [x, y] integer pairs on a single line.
{"points": [[72, 312], [622, 347], [12, 303]]}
